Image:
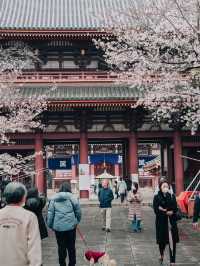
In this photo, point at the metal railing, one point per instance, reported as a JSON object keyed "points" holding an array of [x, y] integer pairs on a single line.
{"points": [[194, 185]]}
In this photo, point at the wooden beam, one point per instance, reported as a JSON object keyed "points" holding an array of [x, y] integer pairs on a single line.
{"points": [[102, 135], [16, 147]]}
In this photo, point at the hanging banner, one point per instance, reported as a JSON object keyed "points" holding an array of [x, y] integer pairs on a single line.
{"points": [[59, 163], [84, 177]]}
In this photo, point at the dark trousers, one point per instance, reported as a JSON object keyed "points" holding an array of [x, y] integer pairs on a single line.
{"points": [[172, 253], [122, 196], [66, 243]]}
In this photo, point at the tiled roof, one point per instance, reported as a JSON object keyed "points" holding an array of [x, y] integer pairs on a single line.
{"points": [[58, 14], [73, 93]]}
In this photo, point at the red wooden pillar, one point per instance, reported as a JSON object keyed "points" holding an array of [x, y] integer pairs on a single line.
{"points": [[83, 148], [39, 164], [169, 164], [117, 170], [178, 163], [133, 153], [84, 158]]}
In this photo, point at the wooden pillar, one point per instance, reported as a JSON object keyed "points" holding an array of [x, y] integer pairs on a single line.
{"points": [[39, 164], [117, 173], [162, 159], [178, 163], [133, 153], [169, 164], [83, 148], [84, 158]]}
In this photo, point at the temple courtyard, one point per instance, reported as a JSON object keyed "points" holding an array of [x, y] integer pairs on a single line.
{"points": [[127, 248]]}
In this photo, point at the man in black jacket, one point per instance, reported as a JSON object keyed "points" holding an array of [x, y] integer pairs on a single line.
{"points": [[196, 211]]}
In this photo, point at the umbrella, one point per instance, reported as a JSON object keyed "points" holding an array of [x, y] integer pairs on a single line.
{"points": [[105, 175]]}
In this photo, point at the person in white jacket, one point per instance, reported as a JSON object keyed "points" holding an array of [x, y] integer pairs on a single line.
{"points": [[122, 188], [20, 242]]}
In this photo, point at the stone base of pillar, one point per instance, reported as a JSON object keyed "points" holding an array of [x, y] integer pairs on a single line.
{"points": [[84, 194]]}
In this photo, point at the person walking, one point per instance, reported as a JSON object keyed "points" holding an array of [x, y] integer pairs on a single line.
{"points": [[122, 188], [135, 199], [35, 204], [196, 211], [116, 189], [105, 198], [64, 214], [165, 208], [20, 242]]}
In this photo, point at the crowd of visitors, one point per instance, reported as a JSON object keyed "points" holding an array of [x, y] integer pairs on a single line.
{"points": [[22, 218]]}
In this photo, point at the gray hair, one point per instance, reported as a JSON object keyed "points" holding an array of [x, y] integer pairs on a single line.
{"points": [[14, 192]]}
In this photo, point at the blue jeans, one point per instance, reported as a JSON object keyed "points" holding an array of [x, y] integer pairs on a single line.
{"points": [[136, 224]]}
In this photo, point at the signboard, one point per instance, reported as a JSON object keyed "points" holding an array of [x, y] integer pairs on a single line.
{"points": [[59, 163], [84, 177]]}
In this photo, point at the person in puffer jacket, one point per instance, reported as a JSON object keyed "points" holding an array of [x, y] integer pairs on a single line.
{"points": [[36, 204], [64, 213]]}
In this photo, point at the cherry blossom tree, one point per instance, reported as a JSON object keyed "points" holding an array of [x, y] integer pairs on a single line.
{"points": [[16, 166], [17, 112], [154, 46]]}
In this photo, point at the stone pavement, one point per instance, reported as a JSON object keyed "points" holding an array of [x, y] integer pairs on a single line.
{"points": [[127, 248]]}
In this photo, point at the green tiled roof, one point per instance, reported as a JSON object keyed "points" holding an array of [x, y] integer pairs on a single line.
{"points": [[83, 93], [58, 14]]}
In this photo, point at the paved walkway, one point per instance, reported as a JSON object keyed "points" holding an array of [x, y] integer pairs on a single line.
{"points": [[129, 249]]}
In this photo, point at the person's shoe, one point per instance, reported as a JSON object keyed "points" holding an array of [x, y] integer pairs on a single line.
{"points": [[161, 261], [108, 230]]}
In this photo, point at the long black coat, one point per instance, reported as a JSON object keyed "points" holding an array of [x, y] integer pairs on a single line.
{"points": [[36, 205], [166, 202]]}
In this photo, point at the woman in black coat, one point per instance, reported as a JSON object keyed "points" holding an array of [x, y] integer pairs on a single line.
{"points": [[35, 204], [165, 208]]}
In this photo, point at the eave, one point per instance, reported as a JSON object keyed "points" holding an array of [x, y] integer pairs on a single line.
{"points": [[52, 34]]}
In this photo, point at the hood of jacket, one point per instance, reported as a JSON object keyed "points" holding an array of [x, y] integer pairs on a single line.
{"points": [[62, 196]]}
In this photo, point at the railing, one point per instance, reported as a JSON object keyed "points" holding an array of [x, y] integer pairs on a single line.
{"points": [[65, 77], [194, 185]]}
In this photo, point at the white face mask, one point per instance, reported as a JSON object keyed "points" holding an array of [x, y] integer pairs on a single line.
{"points": [[165, 190]]}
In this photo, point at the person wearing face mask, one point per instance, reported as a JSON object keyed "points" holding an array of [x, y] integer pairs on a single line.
{"points": [[165, 208], [134, 198], [162, 179]]}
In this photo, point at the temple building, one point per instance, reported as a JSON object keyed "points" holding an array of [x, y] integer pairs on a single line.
{"points": [[90, 124]]}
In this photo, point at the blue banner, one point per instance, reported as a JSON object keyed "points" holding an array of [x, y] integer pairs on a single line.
{"points": [[110, 158], [59, 163]]}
